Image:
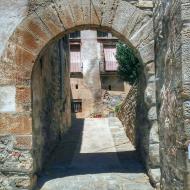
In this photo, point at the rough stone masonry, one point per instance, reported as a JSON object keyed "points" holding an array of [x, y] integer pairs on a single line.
{"points": [[29, 27]]}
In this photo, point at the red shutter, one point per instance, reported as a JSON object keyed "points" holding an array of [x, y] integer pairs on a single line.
{"points": [[110, 60], [75, 60]]}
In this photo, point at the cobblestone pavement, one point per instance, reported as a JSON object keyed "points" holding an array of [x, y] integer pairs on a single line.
{"points": [[94, 155]]}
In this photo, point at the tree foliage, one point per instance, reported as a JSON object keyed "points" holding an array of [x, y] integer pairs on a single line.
{"points": [[129, 65]]}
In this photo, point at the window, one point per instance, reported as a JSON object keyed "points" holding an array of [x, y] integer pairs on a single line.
{"points": [[76, 106], [75, 58], [105, 35], [77, 86], [109, 87], [75, 34], [102, 34], [110, 60]]}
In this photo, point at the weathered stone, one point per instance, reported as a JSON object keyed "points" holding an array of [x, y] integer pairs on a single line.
{"points": [[35, 25], [65, 13], [122, 16], [11, 14], [150, 95], [16, 124], [186, 107], [50, 17], [152, 114], [109, 10], [7, 99], [127, 114], [172, 69], [154, 136], [147, 4], [155, 177], [27, 40], [171, 23], [143, 36], [154, 155], [147, 52]]}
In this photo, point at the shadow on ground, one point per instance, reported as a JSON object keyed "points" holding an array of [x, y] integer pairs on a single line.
{"points": [[66, 160]]}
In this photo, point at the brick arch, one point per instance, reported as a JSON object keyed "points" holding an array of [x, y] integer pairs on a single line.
{"points": [[49, 23]]}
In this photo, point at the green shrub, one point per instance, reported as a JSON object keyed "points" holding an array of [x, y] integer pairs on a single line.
{"points": [[117, 108], [129, 65]]}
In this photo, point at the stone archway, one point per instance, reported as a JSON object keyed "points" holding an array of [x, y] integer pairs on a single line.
{"points": [[39, 29]]}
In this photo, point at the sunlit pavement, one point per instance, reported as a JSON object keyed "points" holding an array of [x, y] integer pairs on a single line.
{"points": [[95, 155]]}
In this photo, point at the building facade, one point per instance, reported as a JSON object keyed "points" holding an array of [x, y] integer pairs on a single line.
{"points": [[95, 86]]}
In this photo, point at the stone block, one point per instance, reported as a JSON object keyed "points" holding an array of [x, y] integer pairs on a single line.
{"points": [[50, 16], [150, 69], [150, 94], [122, 16], [77, 12], [147, 52], [8, 56], [16, 180], [145, 4], [154, 156], [94, 17], [185, 65], [18, 59], [7, 73], [186, 109], [154, 136], [23, 142], [185, 13], [186, 91], [187, 128], [152, 114], [86, 10], [155, 176], [35, 25], [11, 14], [15, 124], [23, 95], [14, 160], [27, 40], [65, 13], [7, 99], [97, 7], [23, 75], [109, 10], [143, 35]]}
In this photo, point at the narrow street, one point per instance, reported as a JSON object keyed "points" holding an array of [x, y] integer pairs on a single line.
{"points": [[94, 155]]}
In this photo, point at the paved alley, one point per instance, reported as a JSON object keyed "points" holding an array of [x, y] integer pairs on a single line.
{"points": [[94, 155]]}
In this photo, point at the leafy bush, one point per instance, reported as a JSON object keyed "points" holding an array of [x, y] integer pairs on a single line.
{"points": [[129, 65], [117, 108]]}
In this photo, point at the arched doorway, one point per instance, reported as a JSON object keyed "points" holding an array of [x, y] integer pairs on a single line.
{"points": [[45, 25]]}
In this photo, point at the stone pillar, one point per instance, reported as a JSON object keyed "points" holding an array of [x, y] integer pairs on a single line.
{"points": [[91, 69]]}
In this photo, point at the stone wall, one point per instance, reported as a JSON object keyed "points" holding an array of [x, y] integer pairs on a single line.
{"points": [[127, 114], [20, 159], [142, 132], [172, 38], [33, 32], [51, 101]]}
